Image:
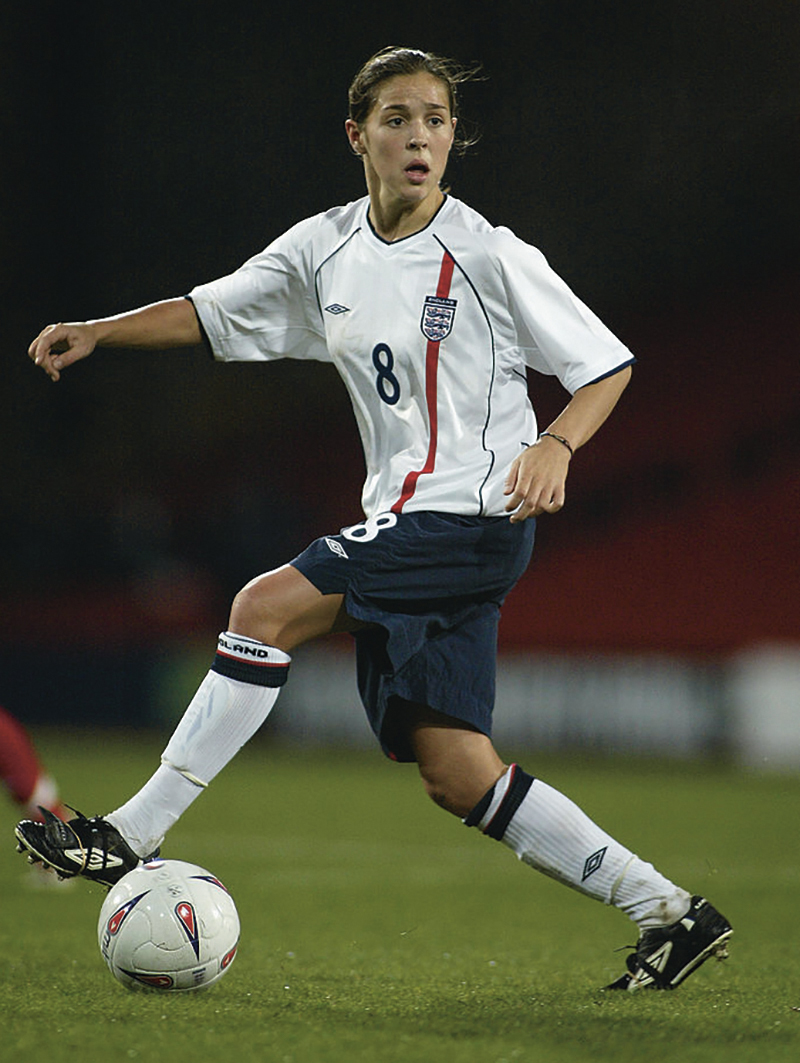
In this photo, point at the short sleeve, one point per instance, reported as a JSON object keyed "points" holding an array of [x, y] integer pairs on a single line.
{"points": [[267, 308], [557, 333]]}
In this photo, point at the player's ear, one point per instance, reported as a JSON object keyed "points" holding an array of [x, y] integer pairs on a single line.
{"points": [[353, 132]]}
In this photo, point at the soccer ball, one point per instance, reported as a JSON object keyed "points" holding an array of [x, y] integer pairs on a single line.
{"points": [[168, 925]]}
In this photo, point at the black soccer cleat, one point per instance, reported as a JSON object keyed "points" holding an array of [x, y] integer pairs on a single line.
{"points": [[91, 848], [666, 955]]}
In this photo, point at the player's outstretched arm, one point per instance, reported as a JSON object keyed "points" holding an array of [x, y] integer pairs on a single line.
{"points": [[171, 323], [536, 482]]}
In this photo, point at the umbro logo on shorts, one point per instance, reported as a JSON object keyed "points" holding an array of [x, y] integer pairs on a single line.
{"points": [[336, 308], [336, 548]]}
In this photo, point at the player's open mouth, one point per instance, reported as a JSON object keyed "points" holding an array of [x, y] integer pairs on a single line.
{"points": [[417, 171]]}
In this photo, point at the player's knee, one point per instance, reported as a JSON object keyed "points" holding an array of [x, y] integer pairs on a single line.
{"points": [[246, 605], [436, 792], [254, 613], [441, 790]]}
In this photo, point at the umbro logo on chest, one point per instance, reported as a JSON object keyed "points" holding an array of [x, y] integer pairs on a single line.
{"points": [[438, 314]]}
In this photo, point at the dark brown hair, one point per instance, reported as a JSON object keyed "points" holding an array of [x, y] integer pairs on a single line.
{"points": [[393, 62]]}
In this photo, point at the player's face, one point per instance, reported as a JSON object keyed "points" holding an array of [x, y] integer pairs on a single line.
{"points": [[406, 138]]}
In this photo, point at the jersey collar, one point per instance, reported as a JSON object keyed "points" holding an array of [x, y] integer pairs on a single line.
{"points": [[411, 236]]}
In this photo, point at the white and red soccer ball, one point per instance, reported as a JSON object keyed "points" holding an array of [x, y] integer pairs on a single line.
{"points": [[168, 925]]}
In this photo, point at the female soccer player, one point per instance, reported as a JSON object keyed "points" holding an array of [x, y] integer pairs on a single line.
{"points": [[432, 317]]}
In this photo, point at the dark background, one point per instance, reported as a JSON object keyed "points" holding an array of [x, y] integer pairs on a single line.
{"points": [[650, 150]]}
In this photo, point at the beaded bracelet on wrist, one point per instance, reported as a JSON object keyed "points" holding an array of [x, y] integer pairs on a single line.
{"points": [[564, 442]]}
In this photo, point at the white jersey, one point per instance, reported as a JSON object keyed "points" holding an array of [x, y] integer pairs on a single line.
{"points": [[431, 335]]}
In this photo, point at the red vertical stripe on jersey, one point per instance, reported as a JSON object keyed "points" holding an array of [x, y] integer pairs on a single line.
{"points": [[431, 370]]}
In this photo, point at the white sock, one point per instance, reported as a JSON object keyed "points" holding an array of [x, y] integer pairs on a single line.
{"points": [[549, 832], [230, 705], [147, 816]]}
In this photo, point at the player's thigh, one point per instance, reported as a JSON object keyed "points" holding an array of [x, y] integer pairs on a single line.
{"points": [[284, 609]]}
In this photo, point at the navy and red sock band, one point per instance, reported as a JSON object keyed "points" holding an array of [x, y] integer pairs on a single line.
{"points": [[250, 661], [518, 786]]}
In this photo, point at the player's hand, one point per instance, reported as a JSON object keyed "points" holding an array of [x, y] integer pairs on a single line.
{"points": [[59, 346], [536, 482]]}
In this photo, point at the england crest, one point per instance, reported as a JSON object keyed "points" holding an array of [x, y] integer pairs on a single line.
{"points": [[437, 317]]}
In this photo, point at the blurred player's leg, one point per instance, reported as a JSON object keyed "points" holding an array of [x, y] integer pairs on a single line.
{"points": [[21, 771]]}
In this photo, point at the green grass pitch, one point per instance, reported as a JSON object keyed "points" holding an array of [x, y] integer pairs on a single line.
{"points": [[376, 927]]}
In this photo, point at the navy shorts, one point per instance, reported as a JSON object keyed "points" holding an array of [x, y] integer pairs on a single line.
{"points": [[430, 587]]}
